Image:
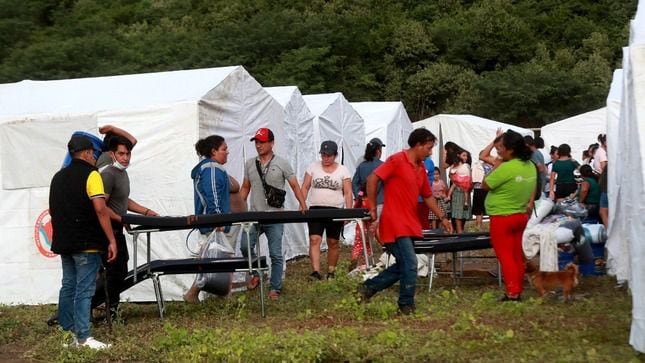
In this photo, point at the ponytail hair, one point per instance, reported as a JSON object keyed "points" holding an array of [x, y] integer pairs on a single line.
{"points": [[514, 141], [206, 145], [602, 138], [370, 151]]}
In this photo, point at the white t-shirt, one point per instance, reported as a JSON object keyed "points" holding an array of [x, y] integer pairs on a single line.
{"points": [[461, 169], [598, 157], [327, 188]]}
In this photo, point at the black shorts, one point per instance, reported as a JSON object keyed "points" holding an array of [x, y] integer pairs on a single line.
{"points": [[479, 196], [563, 190], [332, 228]]}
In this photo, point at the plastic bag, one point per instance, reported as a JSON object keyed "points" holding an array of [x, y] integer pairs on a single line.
{"points": [[543, 207], [571, 208], [219, 283]]}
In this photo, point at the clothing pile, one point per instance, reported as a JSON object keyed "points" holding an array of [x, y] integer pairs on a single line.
{"points": [[557, 231]]}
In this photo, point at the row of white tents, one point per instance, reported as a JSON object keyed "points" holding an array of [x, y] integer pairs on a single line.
{"points": [[169, 111]]}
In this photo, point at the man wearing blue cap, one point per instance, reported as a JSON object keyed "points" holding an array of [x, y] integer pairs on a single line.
{"points": [[81, 231]]}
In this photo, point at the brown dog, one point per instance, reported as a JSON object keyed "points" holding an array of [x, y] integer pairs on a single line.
{"points": [[547, 281]]}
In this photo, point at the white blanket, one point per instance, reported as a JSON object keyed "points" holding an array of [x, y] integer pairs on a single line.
{"points": [[541, 238]]}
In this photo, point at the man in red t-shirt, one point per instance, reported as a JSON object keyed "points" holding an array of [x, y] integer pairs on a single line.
{"points": [[404, 179]]}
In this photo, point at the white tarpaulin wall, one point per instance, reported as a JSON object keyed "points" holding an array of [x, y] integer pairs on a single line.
{"points": [[470, 132], [630, 207], [388, 121], [336, 120], [617, 248], [299, 141], [167, 112], [578, 131]]}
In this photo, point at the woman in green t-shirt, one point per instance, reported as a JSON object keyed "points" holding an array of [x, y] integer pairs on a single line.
{"points": [[511, 190], [589, 192], [562, 181]]}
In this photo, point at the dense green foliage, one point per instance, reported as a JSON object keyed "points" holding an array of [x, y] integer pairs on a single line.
{"points": [[527, 62]]}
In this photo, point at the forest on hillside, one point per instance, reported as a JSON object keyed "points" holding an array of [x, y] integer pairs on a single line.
{"points": [[527, 62]]}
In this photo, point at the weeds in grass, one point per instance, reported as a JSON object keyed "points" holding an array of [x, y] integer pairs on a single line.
{"points": [[322, 321]]}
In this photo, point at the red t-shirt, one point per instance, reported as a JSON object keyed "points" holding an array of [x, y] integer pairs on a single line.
{"points": [[403, 182]]}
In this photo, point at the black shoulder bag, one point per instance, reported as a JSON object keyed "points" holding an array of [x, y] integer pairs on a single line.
{"points": [[274, 196]]}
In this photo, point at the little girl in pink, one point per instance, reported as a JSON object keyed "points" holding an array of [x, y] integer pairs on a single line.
{"points": [[439, 192], [459, 193]]}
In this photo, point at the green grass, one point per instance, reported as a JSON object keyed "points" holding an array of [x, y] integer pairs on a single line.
{"points": [[322, 321]]}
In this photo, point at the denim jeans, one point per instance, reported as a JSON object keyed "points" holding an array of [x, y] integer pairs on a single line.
{"points": [[404, 271], [75, 297], [274, 238]]}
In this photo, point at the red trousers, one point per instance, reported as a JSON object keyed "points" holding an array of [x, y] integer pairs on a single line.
{"points": [[506, 238]]}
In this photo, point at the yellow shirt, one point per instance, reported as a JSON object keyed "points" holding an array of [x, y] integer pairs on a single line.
{"points": [[94, 187]]}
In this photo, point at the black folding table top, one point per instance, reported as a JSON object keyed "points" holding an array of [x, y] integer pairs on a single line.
{"points": [[140, 222]]}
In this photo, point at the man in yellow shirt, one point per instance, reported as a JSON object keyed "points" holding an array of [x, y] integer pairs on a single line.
{"points": [[81, 231]]}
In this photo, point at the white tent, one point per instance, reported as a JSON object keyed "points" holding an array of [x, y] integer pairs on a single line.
{"points": [[617, 248], [578, 131], [336, 120], [630, 206], [299, 140], [167, 112], [388, 121], [470, 132]]}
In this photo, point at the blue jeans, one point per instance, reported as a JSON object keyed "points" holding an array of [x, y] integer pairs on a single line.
{"points": [[274, 238], [604, 200], [75, 297], [404, 270]]}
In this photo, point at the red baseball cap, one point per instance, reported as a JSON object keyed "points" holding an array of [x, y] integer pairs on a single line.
{"points": [[263, 135]]}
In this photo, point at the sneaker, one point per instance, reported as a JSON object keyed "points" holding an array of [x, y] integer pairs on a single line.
{"points": [[253, 283], [274, 295], [331, 275], [364, 293], [93, 344], [407, 309], [315, 276]]}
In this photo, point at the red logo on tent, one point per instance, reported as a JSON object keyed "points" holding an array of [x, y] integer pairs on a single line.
{"points": [[43, 234]]}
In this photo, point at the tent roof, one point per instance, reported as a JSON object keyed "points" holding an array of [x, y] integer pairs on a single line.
{"points": [[85, 95], [578, 131], [282, 94], [474, 121], [616, 88], [470, 132], [320, 102], [388, 121], [375, 112]]}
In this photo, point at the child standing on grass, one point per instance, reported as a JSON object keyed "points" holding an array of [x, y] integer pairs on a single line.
{"points": [[440, 194], [459, 192]]}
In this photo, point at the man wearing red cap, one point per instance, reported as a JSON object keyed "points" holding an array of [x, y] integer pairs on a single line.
{"points": [[272, 170]]}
